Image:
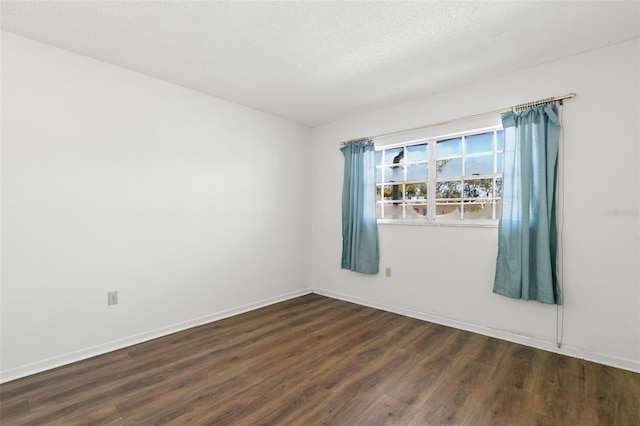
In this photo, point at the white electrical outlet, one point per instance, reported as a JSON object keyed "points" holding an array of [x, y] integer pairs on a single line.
{"points": [[112, 298], [387, 272]]}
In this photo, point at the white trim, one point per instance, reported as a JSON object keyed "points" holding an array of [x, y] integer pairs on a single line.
{"points": [[600, 358], [82, 354]]}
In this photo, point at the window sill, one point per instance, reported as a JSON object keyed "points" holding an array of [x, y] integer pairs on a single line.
{"points": [[448, 223]]}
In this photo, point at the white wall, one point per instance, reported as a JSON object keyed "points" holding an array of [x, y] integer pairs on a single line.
{"points": [[445, 274], [115, 181], [193, 208]]}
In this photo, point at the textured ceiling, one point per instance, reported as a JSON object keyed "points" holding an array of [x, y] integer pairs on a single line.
{"points": [[317, 62]]}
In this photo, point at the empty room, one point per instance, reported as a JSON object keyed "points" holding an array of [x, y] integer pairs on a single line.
{"points": [[320, 212]]}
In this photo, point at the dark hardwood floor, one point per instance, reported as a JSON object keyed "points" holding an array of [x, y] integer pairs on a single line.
{"points": [[315, 360]]}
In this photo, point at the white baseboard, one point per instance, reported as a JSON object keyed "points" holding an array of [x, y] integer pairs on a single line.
{"points": [[610, 360], [58, 361]]}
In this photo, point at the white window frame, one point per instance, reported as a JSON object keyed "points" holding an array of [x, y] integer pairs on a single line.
{"points": [[432, 219]]}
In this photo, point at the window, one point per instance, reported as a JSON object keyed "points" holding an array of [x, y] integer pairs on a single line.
{"points": [[441, 180]]}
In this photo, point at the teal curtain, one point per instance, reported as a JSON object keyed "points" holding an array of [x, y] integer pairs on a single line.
{"points": [[526, 267], [359, 227]]}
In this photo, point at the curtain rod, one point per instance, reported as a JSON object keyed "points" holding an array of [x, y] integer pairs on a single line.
{"points": [[514, 108]]}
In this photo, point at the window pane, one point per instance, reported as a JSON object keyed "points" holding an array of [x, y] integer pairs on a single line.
{"points": [[478, 210], [397, 173], [481, 165], [449, 168], [386, 192], [500, 137], [449, 189], [416, 210], [478, 188], [393, 192], [417, 153], [394, 173], [499, 163], [415, 191], [417, 171], [448, 210], [394, 156], [404, 211], [475, 144], [393, 211], [449, 148]]}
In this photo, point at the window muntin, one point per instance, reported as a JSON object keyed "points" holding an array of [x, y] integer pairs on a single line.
{"points": [[449, 179]]}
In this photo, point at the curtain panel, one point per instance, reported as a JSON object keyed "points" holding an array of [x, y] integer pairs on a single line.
{"points": [[527, 262], [360, 251]]}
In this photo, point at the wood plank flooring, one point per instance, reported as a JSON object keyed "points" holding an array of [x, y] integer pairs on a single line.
{"points": [[319, 361]]}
